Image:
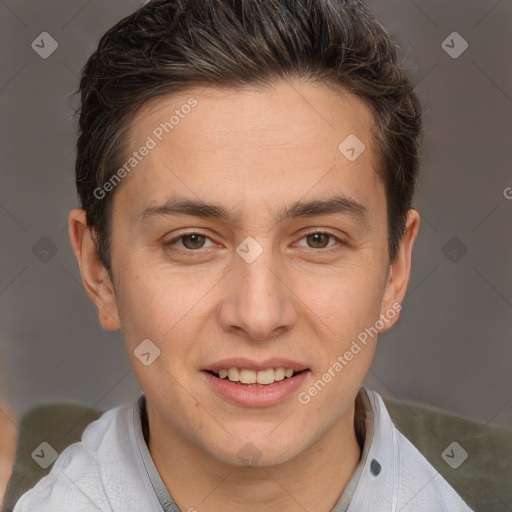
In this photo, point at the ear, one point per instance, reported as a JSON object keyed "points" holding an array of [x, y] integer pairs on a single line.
{"points": [[399, 271], [95, 277]]}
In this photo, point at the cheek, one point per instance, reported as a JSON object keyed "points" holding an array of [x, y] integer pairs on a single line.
{"points": [[156, 309], [158, 302], [346, 299], [345, 313]]}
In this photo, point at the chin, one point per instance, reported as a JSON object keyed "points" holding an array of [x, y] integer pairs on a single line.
{"points": [[256, 451]]}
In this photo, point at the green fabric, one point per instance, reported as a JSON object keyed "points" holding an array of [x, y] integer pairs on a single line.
{"points": [[60, 425], [484, 479]]}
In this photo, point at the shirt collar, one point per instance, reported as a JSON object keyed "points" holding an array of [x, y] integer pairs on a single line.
{"points": [[377, 485], [141, 428]]}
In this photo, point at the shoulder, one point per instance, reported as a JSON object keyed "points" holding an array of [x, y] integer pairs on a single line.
{"points": [[101, 472], [420, 484], [466, 452], [415, 485]]}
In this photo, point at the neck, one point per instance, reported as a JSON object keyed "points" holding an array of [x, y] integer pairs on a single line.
{"points": [[314, 480]]}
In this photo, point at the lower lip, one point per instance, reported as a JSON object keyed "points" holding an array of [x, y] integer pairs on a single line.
{"points": [[256, 396]]}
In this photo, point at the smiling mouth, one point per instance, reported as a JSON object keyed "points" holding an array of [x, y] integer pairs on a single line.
{"points": [[261, 378]]}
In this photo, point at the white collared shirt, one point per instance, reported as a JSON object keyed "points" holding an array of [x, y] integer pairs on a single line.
{"points": [[111, 470]]}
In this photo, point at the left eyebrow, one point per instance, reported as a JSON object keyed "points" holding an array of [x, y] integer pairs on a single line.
{"points": [[176, 206], [338, 205]]}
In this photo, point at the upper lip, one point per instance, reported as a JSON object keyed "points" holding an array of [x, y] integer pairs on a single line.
{"points": [[242, 362]]}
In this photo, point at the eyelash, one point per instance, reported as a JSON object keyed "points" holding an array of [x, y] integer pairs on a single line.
{"points": [[326, 250]]}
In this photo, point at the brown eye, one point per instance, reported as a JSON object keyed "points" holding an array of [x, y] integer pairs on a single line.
{"points": [[318, 240], [193, 241]]}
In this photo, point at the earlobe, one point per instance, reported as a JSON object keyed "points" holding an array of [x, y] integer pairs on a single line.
{"points": [[95, 278], [400, 270]]}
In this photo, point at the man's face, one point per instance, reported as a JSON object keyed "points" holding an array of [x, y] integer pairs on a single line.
{"points": [[259, 288]]}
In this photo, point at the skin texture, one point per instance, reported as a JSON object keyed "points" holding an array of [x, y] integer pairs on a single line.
{"points": [[255, 151]]}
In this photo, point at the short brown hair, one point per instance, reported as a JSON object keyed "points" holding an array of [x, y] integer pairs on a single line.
{"points": [[170, 45]]}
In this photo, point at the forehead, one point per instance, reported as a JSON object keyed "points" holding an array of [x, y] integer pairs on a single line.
{"points": [[268, 143], [313, 112]]}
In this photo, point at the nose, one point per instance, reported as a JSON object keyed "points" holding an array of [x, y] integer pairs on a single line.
{"points": [[259, 300]]}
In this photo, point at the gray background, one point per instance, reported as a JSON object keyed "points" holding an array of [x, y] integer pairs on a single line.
{"points": [[452, 345]]}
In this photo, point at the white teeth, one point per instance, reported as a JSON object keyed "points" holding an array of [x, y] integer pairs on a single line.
{"points": [[233, 375], [279, 373], [264, 377], [247, 376]]}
